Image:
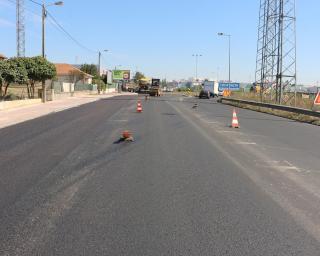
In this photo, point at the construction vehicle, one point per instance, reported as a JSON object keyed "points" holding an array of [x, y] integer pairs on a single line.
{"points": [[155, 87], [143, 85], [131, 87]]}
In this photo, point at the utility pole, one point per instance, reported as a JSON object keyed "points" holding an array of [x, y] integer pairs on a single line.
{"points": [[218, 69], [44, 93], [44, 15], [99, 63], [197, 59], [229, 37]]}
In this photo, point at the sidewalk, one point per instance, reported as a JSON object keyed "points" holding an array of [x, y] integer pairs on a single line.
{"points": [[17, 115]]}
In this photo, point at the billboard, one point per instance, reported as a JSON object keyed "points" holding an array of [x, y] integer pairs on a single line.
{"points": [[229, 86], [109, 77], [121, 74]]}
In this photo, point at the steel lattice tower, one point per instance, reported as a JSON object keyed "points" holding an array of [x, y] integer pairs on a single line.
{"points": [[276, 50], [20, 29]]}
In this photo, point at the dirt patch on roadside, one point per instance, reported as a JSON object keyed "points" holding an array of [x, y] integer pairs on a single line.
{"points": [[281, 113]]}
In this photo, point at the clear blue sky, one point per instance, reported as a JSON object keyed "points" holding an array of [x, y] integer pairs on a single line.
{"points": [[159, 37]]}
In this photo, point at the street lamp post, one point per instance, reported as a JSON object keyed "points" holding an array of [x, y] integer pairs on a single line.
{"points": [[99, 62], [229, 37], [44, 15], [197, 59]]}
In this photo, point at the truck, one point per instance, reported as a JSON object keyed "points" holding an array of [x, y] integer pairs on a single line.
{"points": [[155, 87], [143, 86], [131, 87], [212, 87]]}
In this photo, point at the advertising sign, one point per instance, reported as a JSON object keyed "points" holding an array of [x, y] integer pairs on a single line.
{"points": [[229, 86], [126, 74], [121, 74], [109, 77], [117, 74]]}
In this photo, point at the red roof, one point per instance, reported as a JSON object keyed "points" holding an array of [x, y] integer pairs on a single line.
{"points": [[67, 69], [2, 56]]}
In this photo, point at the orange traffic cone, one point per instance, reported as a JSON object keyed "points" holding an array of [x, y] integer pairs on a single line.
{"points": [[126, 136], [139, 107], [235, 122]]}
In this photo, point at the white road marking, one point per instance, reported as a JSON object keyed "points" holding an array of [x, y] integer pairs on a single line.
{"points": [[225, 131], [246, 143], [120, 120]]}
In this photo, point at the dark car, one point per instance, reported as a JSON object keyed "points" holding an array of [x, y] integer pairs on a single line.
{"points": [[204, 94], [212, 95]]}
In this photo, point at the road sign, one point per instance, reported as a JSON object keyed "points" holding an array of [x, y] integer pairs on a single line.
{"points": [[317, 99], [229, 86]]}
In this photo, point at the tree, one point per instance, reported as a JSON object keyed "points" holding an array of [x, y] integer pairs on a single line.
{"points": [[26, 71], [164, 83], [90, 69], [138, 76], [4, 69], [101, 86], [38, 70], [12, 71], [188, 84], [105, 78], [42, 70]]}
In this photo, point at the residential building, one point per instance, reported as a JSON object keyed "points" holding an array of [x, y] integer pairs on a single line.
{"points": [[67, 73], [70, 79]]}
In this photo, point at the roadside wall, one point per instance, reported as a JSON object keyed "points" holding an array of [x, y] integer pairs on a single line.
{"points": [[17, 103]]}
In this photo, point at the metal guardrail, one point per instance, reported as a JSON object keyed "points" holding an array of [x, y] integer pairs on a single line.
{"points": [[274, 106]]}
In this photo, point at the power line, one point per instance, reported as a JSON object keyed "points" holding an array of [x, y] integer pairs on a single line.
{"points": [[35, 2], [29, 10], [54, 21], [13, 2], [68, 34]]}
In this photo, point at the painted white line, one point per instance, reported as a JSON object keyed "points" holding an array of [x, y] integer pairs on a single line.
{"points": [[246, 143], [212, 122], [121, 120], [224, 131]]}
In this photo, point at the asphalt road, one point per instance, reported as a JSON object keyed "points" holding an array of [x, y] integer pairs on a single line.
{"points": [[187, 185]]}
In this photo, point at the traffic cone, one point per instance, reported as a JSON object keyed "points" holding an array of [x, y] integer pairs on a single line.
{"points": [[139, 107], [126, 136], [235, 121]]}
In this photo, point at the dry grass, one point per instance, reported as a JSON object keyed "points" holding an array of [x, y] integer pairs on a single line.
{"points": [[285, 114], [289, 99]]}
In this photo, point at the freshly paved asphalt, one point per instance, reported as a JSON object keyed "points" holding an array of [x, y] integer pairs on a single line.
{"points": [[187, 185]]}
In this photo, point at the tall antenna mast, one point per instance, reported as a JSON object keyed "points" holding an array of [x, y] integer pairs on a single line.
{"points": [[20, 29], [276, 51]]}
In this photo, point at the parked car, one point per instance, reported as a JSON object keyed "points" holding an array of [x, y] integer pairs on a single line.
{"points": [[204, 94], [212, 95]]}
